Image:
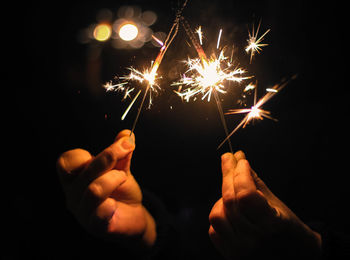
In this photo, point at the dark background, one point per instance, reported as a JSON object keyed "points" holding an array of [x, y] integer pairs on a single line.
{"points": [[59, 104]]}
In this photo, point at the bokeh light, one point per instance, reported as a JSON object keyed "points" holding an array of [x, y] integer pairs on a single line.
{"points": [[128, 28], [102, 32], [128, 32], [149, 18]]}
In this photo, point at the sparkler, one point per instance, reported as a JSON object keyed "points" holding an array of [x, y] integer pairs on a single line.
{"points": [[207, 76], [148, 76], [255, 112]]}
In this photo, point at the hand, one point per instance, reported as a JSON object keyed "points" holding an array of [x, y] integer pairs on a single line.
{"points": [[249, 221], [103, 195]]}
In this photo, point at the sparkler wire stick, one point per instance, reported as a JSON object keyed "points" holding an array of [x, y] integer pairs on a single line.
{"points": [[222, 117], [204, 61], [170, 37], [139, 110]]}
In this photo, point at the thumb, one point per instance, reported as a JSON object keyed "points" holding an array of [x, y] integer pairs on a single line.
{"points": [[129, 140], [228, 164]]}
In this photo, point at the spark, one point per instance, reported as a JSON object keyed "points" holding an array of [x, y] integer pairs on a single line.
{"points": [[207, 76], [149, 76], [255, 112], [158, 41], [250, 86], [200, 35], [271, 90], [219, 38], [130, 105], [254, 43]]}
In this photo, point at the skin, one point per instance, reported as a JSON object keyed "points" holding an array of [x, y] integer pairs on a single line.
{"points": [[249, 221], [104, 196]]}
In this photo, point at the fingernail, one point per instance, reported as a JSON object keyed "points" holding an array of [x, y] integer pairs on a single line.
{"points": [[128, 143], [132, 139], [225, 157]]}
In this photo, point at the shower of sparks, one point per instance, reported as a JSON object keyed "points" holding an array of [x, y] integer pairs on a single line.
{"points": [[207, 76], [146, 77], [255, 112], [254, 43], [149, 76]]}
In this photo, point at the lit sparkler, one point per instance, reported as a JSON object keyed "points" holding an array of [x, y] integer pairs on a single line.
{"points": [[254, 43], [207, 76], [149, 76]]}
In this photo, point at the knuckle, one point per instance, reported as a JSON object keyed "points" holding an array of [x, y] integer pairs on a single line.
{"points": [[95, 190], [211, 232], [229, 198], [216, 215], [71, 160], [61, 163], [108, 156], [246, 197], [244, 162]]}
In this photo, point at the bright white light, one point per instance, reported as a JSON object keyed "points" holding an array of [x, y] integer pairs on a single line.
{"points": [[128, 32]]}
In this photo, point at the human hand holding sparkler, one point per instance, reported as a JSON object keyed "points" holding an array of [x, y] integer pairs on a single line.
{"points": [[104, 196], [250, 221]]}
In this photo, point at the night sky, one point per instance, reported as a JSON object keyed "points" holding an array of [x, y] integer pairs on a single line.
{"points": [[60, 104]]}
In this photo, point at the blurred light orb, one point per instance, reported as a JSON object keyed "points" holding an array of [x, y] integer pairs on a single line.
{"points": [[102, 32], [128, 32], [149, 18]]}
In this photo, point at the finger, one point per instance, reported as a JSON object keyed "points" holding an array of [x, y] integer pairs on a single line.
{"points": [[125, 132], [239, 155], [71, 163], [243, 180], [99, 221], [125, 163], [107, 159], [251, 202], [237, 221], [99, 190], [228, 164]]}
